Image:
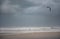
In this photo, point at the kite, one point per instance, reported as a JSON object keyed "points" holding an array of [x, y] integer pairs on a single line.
{"points": [[49, 8]]}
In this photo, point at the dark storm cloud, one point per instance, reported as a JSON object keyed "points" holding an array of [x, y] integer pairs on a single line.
{"points": [[30, 13], [56, 1], [22, 3]]}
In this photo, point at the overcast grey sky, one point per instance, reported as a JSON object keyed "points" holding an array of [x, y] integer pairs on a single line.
{"points": [[18, 13]]}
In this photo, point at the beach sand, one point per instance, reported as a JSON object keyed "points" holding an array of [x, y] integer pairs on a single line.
{"points": [[33, 35]]}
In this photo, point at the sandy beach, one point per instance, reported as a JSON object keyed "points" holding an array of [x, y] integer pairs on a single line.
{"points": [[34, 35]]}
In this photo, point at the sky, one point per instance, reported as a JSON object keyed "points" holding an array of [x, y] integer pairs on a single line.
{"points": [[29, 13]]}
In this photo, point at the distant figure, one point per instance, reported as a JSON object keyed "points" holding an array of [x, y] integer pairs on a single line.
{"points": [[49, 8]]}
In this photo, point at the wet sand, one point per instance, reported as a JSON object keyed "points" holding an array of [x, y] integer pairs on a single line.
{"points": [[34, 35]]}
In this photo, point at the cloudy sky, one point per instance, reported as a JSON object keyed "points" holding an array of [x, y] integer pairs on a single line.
{"points": [[22, 13]]}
